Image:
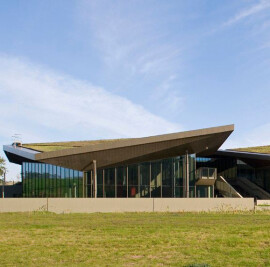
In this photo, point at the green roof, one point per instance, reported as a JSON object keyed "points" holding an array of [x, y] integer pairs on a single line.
{"points": [[47, 147], [255, 149]]}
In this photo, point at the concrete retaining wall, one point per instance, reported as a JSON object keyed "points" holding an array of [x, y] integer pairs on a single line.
{"points": [[88, 205]]}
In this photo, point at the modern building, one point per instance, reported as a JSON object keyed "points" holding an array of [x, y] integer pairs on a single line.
{"points": [[178, 165]]}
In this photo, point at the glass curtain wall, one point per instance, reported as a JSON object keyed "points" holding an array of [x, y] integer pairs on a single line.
{"points": [[45, 180], [161, 178]]}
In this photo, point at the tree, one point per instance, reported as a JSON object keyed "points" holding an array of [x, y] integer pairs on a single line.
{"points": [[2, 166]]}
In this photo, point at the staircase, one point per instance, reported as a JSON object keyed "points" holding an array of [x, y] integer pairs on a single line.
{"points": [[250, 189], [225, 189]]}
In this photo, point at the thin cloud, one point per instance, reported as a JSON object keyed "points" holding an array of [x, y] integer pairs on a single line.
{"points": [[261, 6], [133, 41], [255, 137], [49, 100], [43, 105]]}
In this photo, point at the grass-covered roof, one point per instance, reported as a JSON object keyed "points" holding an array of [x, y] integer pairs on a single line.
{"points": [[47, 147], [256, 149]]}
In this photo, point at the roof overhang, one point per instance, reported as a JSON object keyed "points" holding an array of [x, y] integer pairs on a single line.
{"points": [[253, 159], [17, 154], [202, 142]]}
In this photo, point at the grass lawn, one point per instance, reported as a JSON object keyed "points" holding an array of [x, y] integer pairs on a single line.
{"points": [[140, 239]]}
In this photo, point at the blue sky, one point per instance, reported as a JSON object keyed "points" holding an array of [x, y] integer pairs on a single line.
{"points": [[80, 70]]}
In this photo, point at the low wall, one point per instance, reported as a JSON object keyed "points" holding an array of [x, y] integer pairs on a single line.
{"points": [[88, 205], [203, 204], [265, 202], [23, 204], [263, 205]]}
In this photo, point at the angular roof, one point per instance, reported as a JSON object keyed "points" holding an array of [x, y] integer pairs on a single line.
{"points": [[109, 153]]}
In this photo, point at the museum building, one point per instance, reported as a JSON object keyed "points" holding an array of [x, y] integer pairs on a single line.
{"points": [[178, 165]]}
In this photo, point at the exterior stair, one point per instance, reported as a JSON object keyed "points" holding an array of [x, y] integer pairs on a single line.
{"points": [[225, 189], [251, 189]]}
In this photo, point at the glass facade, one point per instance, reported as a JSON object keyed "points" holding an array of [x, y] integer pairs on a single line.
{"points": [[161, 178], [164, 178], [45, 180]]}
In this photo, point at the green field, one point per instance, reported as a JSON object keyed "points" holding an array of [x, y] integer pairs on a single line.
{"points": [[135, 239]]}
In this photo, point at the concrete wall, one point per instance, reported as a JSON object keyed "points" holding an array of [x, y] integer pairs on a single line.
{"points": [[203, 204], [88, 205], [263, 202], [263, 205], [23, 204], [84, 205]]}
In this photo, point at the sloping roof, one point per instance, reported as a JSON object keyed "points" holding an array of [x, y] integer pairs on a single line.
{"points": [[109, 153], [255, 149]]}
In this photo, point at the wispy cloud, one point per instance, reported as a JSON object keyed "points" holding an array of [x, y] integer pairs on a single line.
{"points": [[258, 136], [74, 108], [132, 40], [248, 12], [43, 105]]}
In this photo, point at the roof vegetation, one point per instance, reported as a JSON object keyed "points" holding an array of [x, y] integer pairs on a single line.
{"points": [[256, 149], [47, 147]]}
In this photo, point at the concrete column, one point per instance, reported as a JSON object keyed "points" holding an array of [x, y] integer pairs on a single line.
{"points": [[115, 182], [103, 183], [139, 180], [95, 177], [84, 184], [150, 178], [127, 181], [174, 179], [161, 179], [91, 182], [187, 174]]}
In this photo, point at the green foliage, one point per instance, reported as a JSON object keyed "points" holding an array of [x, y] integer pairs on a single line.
{"points": [[54, 146], [2, 166], [135, 239], [256, 149]]}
